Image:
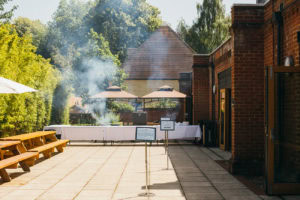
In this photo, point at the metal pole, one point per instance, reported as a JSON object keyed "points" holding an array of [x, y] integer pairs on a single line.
{"points": [[149, 166], [165, 142], [167, 149], [146, 155]]}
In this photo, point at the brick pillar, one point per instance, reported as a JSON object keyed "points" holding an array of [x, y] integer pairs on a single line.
{"points": [[200, 88], [248, 90]]}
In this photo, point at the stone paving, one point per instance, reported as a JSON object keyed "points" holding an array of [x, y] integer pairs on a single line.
{"points": [[118, 173]]}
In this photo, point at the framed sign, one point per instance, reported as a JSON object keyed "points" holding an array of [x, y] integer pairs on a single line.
{"points": [[167, 125], [165, 119], [145, 134]]}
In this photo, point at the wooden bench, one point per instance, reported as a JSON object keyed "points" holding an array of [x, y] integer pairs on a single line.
{"points": [[48, 149], [21, 159], [16, 155]]}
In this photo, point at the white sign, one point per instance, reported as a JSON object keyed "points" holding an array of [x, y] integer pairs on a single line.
{"points": [[165, 119], [145, 134], [167, 125]]}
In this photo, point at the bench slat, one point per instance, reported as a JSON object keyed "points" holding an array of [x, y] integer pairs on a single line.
{"points": [[48, 146], [17, 158], [28, 136]]}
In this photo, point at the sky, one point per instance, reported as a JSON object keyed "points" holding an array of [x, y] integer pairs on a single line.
{"points": [[171, 10]]}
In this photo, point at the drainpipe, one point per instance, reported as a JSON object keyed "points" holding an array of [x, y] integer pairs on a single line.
{"points": [[278, 20], [213, 92]]}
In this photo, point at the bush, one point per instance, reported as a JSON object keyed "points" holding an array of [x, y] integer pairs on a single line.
{"points": [[118, 107], [26, 112], [163, 103]]}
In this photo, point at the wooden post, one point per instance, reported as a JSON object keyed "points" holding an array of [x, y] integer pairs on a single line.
{"points": [[4, 175]]}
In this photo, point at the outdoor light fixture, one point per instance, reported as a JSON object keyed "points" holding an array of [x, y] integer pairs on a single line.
{"points": [[214, 89], [288, 61]]}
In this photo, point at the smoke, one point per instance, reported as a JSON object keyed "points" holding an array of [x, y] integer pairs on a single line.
{"points": [[83, 58], [96, 76]]}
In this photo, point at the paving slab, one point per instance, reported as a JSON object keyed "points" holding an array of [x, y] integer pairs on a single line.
{"points": [[118, 173]]}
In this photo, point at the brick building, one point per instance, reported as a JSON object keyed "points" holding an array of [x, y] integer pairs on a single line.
{"points": [[252, 86], [157, 62], [163, 59]]}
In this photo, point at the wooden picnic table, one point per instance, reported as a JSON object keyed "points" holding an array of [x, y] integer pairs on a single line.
{"points": [[28, 136], [42, 142], [17, 156], [6, 144], [32, 140]]}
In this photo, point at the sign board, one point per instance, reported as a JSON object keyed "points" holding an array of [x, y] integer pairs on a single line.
{"points": [[165, 119], [145, 134], [167, 125]]}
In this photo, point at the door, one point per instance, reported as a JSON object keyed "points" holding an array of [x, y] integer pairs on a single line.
{"points": [[282, 131], [224, 119]]}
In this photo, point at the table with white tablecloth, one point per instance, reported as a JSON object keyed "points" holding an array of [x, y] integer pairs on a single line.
{"points": [[121, 133]]}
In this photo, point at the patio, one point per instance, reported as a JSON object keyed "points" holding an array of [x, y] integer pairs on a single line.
{"points": [[117, 172]]}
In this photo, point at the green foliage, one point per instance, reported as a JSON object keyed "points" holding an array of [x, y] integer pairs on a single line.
{"points": [[62, 42], [162, 103], [123, 23], [117, 107], [35, 28], [60, 111], [5, 16], [210, 29], [19, 62], [87, 40]]}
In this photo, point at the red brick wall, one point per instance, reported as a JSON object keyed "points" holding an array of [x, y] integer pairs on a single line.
{"points": [[247, 88], [291, 25], [200, 88], [253, 45], [222, 59]]}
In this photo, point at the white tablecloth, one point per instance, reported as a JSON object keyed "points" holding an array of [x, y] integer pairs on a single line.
{"points": [[121, 133]]}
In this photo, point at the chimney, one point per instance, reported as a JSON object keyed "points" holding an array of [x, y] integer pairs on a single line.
{"points": [[260, 1]]}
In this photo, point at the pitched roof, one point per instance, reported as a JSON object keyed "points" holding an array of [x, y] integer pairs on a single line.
{"points": [[162, 56], [165, 92], [114, 92]]}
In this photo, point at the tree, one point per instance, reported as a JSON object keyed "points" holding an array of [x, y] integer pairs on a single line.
{"points": [[87, 41], [210, 28], [97, 66], [19, 62], [6, 15], [35, 28], [64, 38], [123, 23]]}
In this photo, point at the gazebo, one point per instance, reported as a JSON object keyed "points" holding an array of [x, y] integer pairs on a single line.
{"points": [[114, 92], [165, 92]]}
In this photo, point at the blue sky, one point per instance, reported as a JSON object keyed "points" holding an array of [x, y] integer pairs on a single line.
{"points": [[179, 9]]}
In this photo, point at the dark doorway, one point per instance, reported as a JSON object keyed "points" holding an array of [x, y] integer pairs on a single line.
{"points": [[224, 82], [282, 130]]}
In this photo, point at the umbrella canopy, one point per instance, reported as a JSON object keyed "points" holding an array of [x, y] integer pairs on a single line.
{"points": [[114, 92], [165, 92], [10, 87]]}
